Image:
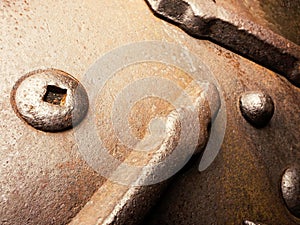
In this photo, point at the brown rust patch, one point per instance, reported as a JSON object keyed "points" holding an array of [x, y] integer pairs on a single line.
{"points": [[154, 107], [16, 6], [284, 17]]}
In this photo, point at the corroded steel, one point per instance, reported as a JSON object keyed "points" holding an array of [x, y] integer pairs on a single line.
{"points": [[44, 179], [206, 19]]}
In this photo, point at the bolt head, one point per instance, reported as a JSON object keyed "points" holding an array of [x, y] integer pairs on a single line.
{"points": [[49, 100]]}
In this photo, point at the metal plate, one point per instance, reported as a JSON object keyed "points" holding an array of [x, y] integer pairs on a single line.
{"points": [[44, 179]]}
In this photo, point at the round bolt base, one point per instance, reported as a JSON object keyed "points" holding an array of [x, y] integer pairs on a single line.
{"points": [[50, 100]]}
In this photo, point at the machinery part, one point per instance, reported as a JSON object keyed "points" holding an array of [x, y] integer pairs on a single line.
{"points": [[257, 108], [290, 187], [134, 201], [243, 182], [113, 114], [49, 100], [186, 129], [205, 20], [45, 181]]}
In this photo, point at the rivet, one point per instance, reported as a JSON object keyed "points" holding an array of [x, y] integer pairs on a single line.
{"points": [[247, 222], [257, 108], [49, 100], [290, 187]]}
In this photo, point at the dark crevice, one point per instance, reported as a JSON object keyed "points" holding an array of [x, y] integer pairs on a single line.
{"points": [[55, 95]]}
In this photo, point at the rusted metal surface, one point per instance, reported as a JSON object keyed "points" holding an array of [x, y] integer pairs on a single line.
{"points": [[283, 17], [44, 179], [205, 19], [244, 181], [279, 16], [134, 200]]}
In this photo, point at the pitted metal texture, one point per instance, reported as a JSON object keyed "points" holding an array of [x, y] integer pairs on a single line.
{"points": [[44, 180]]}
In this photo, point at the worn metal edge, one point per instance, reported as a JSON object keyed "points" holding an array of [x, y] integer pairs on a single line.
{"points": [[233, 32]]}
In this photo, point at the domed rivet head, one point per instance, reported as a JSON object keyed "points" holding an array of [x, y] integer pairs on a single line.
{"points": [[247, 222], [257, 108], [290, 187], [49, 100]]}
